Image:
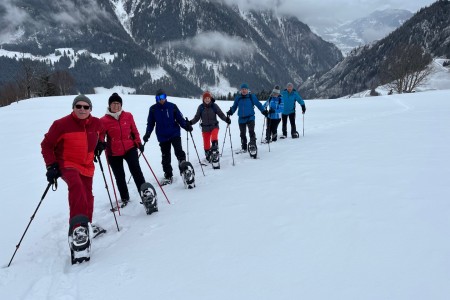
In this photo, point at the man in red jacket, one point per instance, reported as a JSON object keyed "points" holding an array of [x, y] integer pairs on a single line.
{"points": [[68, 149], [123, 140]]}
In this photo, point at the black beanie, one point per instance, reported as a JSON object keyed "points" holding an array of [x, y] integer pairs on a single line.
{"points": [[160, 92], [114, 98]]}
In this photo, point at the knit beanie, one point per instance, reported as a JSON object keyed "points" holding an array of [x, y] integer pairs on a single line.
{"points": [[244, 86], [276, 90], [114, 98], [80, 98], [206, 94]]}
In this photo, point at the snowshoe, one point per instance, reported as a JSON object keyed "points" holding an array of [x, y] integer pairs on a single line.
{"points": [[252, 149], [188, 174], [283, 136], [215, 157], [97, 231], [79, 239], [295, 135], [122, 204], [241, 151], [265, 141], [166, 180], [149, 198]]}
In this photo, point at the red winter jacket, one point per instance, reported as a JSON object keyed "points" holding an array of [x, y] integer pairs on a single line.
{"points": [[122, 134], [71, 142]]}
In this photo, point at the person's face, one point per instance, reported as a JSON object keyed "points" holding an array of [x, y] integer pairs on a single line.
{"points": [[207, 100], [115, 106], [244, 91], [289, 88], [82, 110]]}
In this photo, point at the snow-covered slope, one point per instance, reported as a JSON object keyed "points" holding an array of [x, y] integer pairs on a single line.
{"points": [[356, 209]]}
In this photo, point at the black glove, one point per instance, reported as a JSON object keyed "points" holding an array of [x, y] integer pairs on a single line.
{"points": [[271, 111], [229, 113], [141, 147], [146, 137], [99, 148], [53, 173], [265, 113], [228, 120], [189, 126], [303, 109]]}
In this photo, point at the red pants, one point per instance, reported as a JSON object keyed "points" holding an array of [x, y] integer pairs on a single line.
{"points": [[210, 136], [81, 200]]}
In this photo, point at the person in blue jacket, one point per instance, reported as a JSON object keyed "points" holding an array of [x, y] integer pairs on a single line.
{"points": [[244, 103], [290, 95], [275, 104], [168, 119]]}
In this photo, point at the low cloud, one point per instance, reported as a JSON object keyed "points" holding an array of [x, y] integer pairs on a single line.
{"points": [[11, 19], [217, 42], [82, 13]]}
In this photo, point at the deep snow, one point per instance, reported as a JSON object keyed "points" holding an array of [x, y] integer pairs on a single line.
{"points": [[356, 209]]}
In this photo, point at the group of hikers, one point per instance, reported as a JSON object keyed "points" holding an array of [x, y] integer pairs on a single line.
{"points": [[73, 142]]}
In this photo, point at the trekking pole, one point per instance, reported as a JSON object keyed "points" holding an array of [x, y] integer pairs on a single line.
{"points": [[231, 144], [262, 133], [195, 147], [187, 145], [112, 182], [29, 223], [303, 124], [128, 182], [107, 190], [268, 128], [160, 186], [224, 138]]}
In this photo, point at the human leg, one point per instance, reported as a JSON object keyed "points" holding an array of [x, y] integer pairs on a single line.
{"points": [[243, 131], [292, 121], [132, 159], [166, 157], [116, 163], [251, 131], [284, 124], [77, 193]]}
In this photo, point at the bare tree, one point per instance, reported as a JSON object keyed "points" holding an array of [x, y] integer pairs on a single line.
{"points": [[63, 81], [406, 67]]}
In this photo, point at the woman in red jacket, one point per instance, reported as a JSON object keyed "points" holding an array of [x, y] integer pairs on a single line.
{"points": [[122, 143]]}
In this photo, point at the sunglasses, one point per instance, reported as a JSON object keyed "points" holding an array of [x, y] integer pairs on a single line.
{"points": [[161, 97], [79, 106]]}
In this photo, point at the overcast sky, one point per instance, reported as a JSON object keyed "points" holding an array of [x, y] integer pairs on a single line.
{"points": [[323, 12]]}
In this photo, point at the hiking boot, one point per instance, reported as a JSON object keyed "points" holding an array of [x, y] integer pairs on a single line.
{"points": [[274, 137]]}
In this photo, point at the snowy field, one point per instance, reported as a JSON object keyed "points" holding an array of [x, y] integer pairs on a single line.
{"points": [[358, 208]]}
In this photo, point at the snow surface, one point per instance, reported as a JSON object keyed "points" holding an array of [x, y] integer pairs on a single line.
{"points": [[356, 209]]}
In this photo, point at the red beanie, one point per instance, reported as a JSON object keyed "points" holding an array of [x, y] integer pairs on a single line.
{"points": [[206, 94]]}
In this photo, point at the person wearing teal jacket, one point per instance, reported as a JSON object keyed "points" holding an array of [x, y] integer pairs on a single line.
{"points": [[244, 103], [290, 95]]}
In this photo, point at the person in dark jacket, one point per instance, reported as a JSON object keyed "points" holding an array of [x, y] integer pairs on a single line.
{"points": [[207, 112], [245, 103], [168, 119], [68, 149], [290, 95], [275, 104], [122, 143]]}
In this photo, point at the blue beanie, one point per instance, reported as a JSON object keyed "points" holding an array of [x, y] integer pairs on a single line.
{"points": [[244, 86]]}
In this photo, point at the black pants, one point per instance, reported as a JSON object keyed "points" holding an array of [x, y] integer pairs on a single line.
{"points": [[291, 120], [167, 154], [116, 163], [272, 127], [251, 131]]}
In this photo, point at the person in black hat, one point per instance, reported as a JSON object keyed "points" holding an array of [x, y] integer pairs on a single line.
{"points": [[122, 143], [168, 120]]}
